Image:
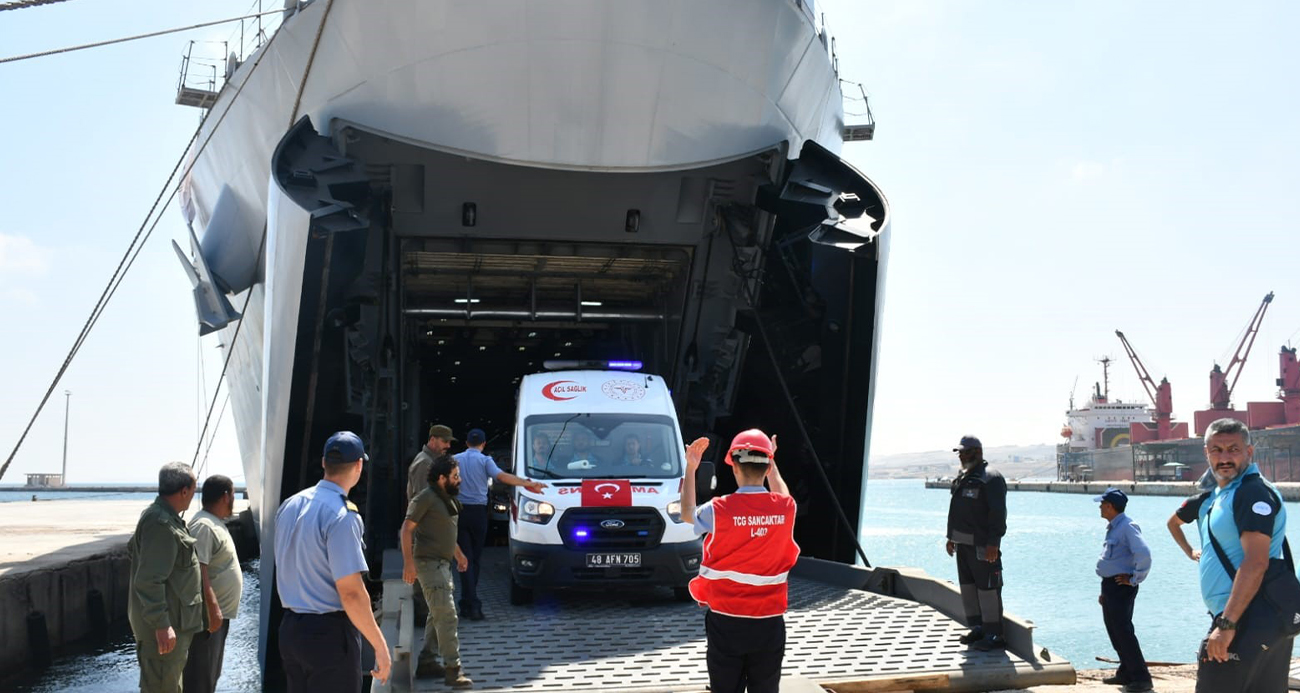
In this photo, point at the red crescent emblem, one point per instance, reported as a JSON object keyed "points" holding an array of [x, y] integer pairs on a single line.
{"points": [[548, 391]]}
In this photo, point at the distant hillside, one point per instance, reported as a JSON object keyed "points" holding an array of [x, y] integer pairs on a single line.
{"points": [[1014, 461]]}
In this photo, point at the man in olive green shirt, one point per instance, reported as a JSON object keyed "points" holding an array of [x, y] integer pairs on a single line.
{"points": [[166, 601], [428, 548], [417, 473]]}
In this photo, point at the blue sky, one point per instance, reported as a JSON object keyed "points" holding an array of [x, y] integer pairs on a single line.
{"points": [[1056, 171]]}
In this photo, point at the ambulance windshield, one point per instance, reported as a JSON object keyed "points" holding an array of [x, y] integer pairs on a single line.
{"points": [[601, 446]]}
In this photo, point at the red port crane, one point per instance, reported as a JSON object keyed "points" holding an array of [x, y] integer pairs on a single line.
{"points": [[1220, 388], [1161, 395]]}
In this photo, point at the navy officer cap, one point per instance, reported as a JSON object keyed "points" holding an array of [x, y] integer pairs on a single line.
{"points": [[1113, 496], [345, 446], [968, 443]]}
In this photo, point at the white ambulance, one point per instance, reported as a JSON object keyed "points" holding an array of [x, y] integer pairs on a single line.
{"points": [[608, 445]]}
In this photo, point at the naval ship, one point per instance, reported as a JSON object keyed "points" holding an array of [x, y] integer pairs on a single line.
{"points": [[398, 209]]}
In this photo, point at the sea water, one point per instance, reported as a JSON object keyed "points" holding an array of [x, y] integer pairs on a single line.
{"points": [[1049, 559], [112, 668]]}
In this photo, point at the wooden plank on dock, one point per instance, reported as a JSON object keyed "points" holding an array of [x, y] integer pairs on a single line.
{"points": [[877, 684]]}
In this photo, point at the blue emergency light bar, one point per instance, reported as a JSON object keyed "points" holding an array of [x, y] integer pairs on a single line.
{"points": [[559, 365]]}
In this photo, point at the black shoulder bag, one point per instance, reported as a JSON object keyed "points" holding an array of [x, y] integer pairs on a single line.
{"points": [[1275, 609]]}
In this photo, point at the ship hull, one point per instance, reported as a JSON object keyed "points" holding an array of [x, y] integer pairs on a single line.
{"points": [[635, 179]]}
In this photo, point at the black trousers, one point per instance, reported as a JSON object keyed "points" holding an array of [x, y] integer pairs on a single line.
{"points": [[321, 653], [471, 536], [1117, 612], [981, 588], [744, 654], [1251, 667], [203, 666]]}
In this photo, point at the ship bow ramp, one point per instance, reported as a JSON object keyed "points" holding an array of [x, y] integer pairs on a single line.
{"points": [[848, 628]]}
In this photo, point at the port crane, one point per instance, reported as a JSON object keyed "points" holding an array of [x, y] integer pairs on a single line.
{"points": [[1161, 395], [1220, 387]]}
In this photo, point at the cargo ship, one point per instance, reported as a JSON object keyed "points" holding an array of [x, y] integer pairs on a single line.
{"points": [[1112, 440]]}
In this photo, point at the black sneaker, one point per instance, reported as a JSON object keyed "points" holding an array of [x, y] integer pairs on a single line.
{"points": [[975, 635], [1137, 687], [992, 642]]}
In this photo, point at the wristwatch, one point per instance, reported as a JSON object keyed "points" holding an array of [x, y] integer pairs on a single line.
{"points": [[1224, 624]]}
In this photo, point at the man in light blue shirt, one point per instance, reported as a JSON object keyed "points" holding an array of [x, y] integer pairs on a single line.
{"points": [[318, 567], [1245, 516], [477, 471], [1124, 563]]}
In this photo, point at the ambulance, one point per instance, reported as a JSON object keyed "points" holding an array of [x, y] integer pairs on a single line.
{"points": [[608, 445]]}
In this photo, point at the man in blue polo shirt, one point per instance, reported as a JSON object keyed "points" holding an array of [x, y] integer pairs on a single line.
{"points": [[318, 567], [477, 471], [1244, 514], [1124, 563]]}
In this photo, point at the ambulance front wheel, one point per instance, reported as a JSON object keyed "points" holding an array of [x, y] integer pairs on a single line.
{"points": [[682, 594], [520, 595]]}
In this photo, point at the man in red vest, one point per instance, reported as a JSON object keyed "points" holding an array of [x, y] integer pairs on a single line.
{"points": [[748, 554]]}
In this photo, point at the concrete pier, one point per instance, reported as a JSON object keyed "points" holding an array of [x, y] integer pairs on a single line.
{"points": [[1290, 490], [65, 560]]}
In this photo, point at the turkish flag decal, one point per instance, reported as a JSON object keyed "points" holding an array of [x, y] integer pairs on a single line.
{"points": [[598, 492]]}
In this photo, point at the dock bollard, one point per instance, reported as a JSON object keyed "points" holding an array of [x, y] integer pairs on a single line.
{"points": [[38, 641], [97, 615]]}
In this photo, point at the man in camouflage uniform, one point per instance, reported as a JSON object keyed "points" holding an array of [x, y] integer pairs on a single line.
{"points": [[166, 601]]}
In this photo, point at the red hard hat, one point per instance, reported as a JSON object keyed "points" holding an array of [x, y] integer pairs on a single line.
{"points": [[752, 440]]}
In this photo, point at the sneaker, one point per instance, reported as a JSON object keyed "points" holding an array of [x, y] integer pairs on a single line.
{"points": [[975, 635], [429, 669], [992, 642], [1137, 687]]}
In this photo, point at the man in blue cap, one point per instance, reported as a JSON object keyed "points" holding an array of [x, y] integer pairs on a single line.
{"points": [[977, 520], [477, 471], [318, 567], [1124, 563]]}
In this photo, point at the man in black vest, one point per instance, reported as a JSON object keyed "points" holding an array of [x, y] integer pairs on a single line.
{"points": [[977, 520]]}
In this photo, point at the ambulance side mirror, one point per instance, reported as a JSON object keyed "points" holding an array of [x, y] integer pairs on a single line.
{"points": [[705, 482]]}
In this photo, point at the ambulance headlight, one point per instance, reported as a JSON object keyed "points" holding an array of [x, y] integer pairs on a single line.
{"points": [[674, 511], [535, 511]]}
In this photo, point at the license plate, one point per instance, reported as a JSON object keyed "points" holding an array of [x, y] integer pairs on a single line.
{"points": [[611, 560]]}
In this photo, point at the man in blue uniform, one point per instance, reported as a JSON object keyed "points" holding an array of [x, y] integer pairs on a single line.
{"points": [[318, 567], [1245, 516], [477, 471], [1124, 563]]}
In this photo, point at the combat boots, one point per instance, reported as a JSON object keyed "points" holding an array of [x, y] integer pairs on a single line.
{"points": [[429, 669], [456, 679]]}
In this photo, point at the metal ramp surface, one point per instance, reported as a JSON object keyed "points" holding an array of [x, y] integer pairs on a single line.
{"points": [[599, 641]]}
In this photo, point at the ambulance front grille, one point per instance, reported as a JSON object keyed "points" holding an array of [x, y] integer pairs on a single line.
{"points": [[611, 529], [624, 574]]}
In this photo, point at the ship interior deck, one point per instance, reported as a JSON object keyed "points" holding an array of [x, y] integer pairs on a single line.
{"points": [[480, 315], [642, 642]]}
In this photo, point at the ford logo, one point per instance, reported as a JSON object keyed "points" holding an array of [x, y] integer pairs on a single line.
{"points": [[611, 524]]}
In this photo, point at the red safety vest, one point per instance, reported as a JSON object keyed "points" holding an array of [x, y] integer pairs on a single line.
{"points": [[748, 556]]}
